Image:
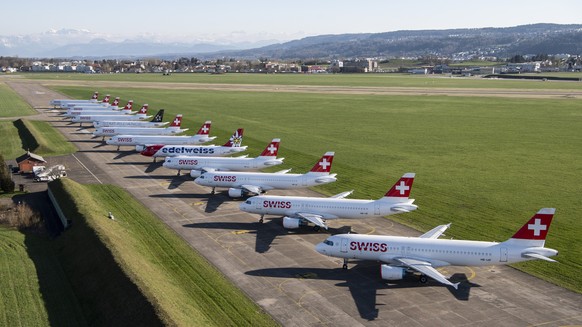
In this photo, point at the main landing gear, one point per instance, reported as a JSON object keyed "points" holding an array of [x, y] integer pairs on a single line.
{"points": [[212, 192], [345, 265], [261, 220], [423, 279]]}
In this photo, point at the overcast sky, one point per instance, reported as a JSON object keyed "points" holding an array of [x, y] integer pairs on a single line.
{"points": [[254, 20]]}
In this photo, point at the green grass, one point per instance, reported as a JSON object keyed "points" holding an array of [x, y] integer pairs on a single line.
{"points": [[33, 290], [37, 136], [181, 287], [361, 80], [12, 105], [484, 164]]}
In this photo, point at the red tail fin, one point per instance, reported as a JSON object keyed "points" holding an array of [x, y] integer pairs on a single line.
{"points": [[95, 95], [177, 122], [271, 149], [150, 150], [106, 99], [537, 227], [236, 138], [324, 164], [402, 188], [143, 110], [129, 105], [115, 101], [205, 129]]}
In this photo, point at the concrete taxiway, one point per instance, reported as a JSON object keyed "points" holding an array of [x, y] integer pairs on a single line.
{"points": [[280, 269]]}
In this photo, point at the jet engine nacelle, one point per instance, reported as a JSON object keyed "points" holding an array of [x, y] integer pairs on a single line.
{"points": [[140, 148], [235, 192], [195, 173], [392, 273], [292, 223]]}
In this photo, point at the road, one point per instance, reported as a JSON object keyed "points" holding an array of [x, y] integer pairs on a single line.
{"points": [[281, 271]]}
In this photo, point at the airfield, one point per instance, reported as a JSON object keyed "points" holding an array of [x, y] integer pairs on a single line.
{"points": [[281, 271]]}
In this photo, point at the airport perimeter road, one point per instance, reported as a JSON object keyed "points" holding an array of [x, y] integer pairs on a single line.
{"points": [[281, 271]]}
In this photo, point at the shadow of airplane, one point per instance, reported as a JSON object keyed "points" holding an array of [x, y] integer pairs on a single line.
{"points": [[267, 232], [362, 281], [153, 166]]}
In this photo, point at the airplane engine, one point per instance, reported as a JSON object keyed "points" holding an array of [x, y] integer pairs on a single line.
{"points": [[140, 148], [235, 192], [392, 273], [292, 223], [195, 173]]}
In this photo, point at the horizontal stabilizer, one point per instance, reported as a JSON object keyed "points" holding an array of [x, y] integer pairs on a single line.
{"points": [[537, 256], [403, 208]]}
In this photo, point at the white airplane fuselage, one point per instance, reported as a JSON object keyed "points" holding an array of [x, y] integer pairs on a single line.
{"points": [[63, 102], [220, 163], [266, 181], [439, 252], [133, 140], [128, 123], [201, 150], [111, 131], [70, 105], [327, 208], [94, 118], [98, 112]]}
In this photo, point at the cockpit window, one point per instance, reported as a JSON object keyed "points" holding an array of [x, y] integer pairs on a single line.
{"points": [[328, 242], [202, 176], [248, 201]]}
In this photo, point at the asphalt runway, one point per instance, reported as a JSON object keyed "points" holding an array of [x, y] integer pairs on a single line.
{"points": [[280, 269]]}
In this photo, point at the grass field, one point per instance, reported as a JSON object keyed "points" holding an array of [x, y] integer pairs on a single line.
{"points": [[11, 104], [364, 80], [24, 299], [182, 288], [484, 164], [37, 136]]}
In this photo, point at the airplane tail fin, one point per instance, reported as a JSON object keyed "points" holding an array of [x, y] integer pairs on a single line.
{"points": [[534, 232], [402, 188], [205, 129], [177, 122], [144, 110], [150, 150], [272, 149], [236, 139], [129, 105], [115, 102], [95, 95], [106, 98], [158, 117], [323, 165]]}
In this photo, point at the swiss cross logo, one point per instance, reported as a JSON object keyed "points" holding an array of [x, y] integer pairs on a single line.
{"points": [[204, 129], [272, 148], [143, 110], [537, 227], [176, 121], [402, 188], [324, 163], [129, 105]]}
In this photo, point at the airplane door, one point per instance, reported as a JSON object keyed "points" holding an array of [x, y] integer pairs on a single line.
{"points": [[503, 255], [376, 208], [344, 245]]}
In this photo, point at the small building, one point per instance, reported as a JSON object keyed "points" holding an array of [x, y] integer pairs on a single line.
{"points": [[28, 160]]}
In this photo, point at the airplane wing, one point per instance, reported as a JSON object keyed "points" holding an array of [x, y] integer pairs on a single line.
{"points": [[436, 232], [284, 171], [537, 256], [342, 195], [252, 188], [316, 219], [426, 268]]}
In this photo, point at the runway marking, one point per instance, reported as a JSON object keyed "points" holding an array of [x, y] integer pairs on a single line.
{"points": [[199, 203], [238, 232], [90, 172]]}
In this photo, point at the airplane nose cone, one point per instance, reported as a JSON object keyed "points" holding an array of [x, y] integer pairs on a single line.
{"points": [[320, 248], [199, 181]]}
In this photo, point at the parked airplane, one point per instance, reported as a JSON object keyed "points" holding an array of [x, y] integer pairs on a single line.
{"points": [[96, 105], [91, 107], [62, 102], [155, 122], [174, 128], [426, 252], [301, 210], [241, 184], [141, 115], [233, 145], [140, 141], [200, 164], [104, 111], [102, 103]]}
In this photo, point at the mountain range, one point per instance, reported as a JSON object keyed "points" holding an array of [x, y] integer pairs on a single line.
{"points": [[487, 42]]}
